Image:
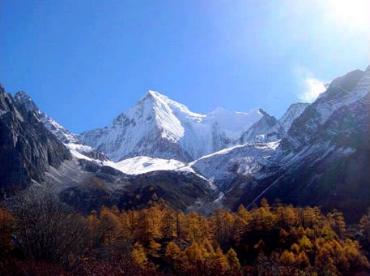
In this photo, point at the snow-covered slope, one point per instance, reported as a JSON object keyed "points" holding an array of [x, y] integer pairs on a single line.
{"points": [[223, 166], [160, 127], [233, 123], [256, 148], [144, 164]]}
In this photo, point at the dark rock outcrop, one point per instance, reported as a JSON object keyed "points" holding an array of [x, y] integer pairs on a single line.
{"points": [[27, 148]]}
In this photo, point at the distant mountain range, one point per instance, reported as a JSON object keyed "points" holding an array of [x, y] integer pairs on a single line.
{"points": [[314, 154]]}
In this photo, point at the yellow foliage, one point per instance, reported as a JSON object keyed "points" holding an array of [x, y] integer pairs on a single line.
{"points": [[268, 240], [287, 258], [138, 255], [233, 260], [172, 250], [220, 262]]}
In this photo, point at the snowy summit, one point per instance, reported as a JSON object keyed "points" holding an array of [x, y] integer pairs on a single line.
{"points": [[160, 127]]}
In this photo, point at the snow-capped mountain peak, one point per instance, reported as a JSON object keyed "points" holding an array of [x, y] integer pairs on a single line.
{"points": [[155, 110], [160, 127], [161, 100]]}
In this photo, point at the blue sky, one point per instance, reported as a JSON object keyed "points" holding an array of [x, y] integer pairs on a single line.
{"points": [[86, 61]]}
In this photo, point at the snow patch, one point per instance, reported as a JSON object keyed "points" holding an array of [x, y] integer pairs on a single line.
{"points": [[144, 164]]}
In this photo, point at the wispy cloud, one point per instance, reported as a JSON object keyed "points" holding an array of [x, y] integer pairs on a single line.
{"points": [[310, 86], [312, 89]]}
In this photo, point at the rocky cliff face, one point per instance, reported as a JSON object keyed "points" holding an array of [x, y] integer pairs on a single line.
{"points": [[267, 129], [23, 100], [294, 111], [27, 148], [70, 140]]}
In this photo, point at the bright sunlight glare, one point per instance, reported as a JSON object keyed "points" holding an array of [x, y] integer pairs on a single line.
{"points": [[355, 14]]}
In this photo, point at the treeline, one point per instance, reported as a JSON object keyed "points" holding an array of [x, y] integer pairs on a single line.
{"points": [[41, 236]]}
